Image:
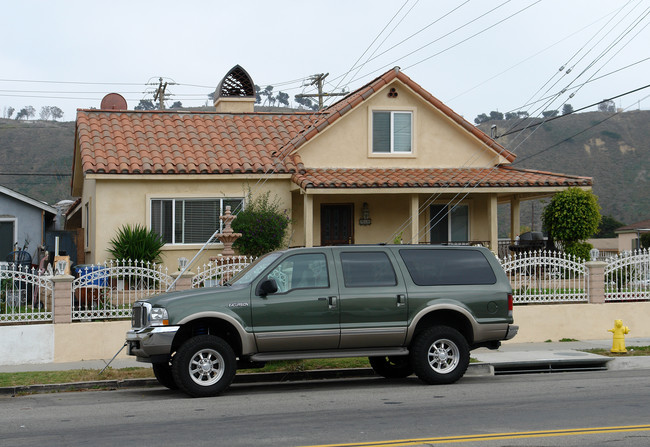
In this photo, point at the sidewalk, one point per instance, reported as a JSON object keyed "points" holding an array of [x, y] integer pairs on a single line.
{"points": [[508, 354]]}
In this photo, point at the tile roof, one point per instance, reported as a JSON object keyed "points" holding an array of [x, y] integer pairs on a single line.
{"points": [[332, 113], [500, 176], [165, 142]]}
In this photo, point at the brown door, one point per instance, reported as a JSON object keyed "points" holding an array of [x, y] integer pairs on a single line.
{"points": [[336, 223]]}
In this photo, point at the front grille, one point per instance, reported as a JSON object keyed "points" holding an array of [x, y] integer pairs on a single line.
{"points": [[139, 317]]}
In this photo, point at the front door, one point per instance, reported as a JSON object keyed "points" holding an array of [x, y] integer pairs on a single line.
{"points": [[336, 223]]}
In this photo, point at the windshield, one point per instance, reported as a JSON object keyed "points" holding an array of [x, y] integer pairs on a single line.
{"points": [[253, 270]]}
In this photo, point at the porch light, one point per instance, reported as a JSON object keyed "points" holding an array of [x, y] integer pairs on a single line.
{"points": [[365, 215]]}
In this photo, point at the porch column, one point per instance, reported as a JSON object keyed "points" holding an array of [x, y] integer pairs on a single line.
{"points": [[415, 219], [493, 229], [308, 219], [515, 218]]}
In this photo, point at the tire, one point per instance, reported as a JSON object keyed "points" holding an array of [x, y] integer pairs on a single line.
{"points": [[204, 366], [391, 367], [164, 375], [439, 355]]}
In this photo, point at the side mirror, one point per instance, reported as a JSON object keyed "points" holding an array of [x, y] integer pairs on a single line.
{"points": [[266, 287]]}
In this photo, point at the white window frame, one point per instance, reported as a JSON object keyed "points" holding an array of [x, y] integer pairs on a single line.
{"points": [[175, 201], [393, 112]]}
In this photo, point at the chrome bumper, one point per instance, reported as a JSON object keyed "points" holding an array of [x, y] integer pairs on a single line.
{"points": [[150, 341], [512, 331]]}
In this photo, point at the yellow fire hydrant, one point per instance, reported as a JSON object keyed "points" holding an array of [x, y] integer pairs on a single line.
{"points": [[619, 331]]}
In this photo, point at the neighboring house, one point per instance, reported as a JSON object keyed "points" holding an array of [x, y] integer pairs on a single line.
{"points": [[23, 223], [629, 235], [387, 160]]}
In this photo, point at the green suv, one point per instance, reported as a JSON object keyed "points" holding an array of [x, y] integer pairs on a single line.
{"points": [[409, 308]]}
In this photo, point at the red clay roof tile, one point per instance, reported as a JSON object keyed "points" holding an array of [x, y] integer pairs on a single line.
{"points": [[500, 176]]}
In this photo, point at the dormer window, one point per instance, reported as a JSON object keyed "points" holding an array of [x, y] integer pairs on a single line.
{"points": [[392, 132]]}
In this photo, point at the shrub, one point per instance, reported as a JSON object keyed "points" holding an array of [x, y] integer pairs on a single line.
{"points": [[573, 215], [262, 224], [137, 244], [578, 249]]}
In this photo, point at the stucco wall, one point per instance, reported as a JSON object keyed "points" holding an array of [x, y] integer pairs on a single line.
{"points": [[33, 344], [123, 201], [438, 142]]}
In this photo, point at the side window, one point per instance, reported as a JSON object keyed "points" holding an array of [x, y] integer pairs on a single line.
{"points": [[305, 271], [447, 267], [367, 269]]}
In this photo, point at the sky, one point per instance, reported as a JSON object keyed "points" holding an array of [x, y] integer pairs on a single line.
{"points": [[475, 56]]}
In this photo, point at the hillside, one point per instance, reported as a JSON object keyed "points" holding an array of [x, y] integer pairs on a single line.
{"points": [[614, 150], [616, 153]]}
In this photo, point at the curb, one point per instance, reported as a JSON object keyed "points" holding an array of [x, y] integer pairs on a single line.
{"points": [[474, 370]]}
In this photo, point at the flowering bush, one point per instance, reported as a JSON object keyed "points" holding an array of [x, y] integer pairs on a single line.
{"points": [[262, 224]]}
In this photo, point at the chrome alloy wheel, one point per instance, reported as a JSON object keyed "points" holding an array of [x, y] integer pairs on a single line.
{"points": [[443, 356], [206, 367]]}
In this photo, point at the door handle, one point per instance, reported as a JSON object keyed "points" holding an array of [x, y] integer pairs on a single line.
{"points": [[332, 302], [401, 300]]}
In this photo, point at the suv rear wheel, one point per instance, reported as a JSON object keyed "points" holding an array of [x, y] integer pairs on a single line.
{"points": [[391, 367], [204, 366], [439, 355]]}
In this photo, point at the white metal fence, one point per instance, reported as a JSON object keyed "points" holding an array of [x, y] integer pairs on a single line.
{"points": [[109, 290], [220, 270], [627, 276], [546, 277], [25, 295]]}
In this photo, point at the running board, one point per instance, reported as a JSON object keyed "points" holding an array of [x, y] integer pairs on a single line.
{"points": [[333, 354]]}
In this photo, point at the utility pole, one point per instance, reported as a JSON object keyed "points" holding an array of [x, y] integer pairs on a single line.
{"points": [[318, 79], [160, 93]]}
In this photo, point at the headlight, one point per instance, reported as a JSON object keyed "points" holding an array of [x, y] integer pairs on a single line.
{"points": [[158, 317]]}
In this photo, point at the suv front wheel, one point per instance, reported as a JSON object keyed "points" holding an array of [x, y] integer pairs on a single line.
{"points": [[204, 366], [439, 355]]}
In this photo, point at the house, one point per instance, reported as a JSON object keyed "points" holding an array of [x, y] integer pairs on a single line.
{"points": [[629, 236], [389, 161], [23, 224]]}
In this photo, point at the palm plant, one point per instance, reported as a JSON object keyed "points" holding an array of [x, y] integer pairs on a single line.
{"points": [[136, 243]]}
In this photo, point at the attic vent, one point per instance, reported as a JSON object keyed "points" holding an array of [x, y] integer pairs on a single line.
{"points": [[392, 93], [113, 101], [236, 83]]}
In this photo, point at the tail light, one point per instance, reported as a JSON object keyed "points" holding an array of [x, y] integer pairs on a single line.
{"points": [[510, 304]]}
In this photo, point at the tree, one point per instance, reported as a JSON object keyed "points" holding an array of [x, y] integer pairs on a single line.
{"points": [[607, 106], [645, 240], [307, 103], [145, 104], [571, 217], [262, 225], [283, 98], [550, 113], [177, 105], [258, 97], [522, 114], [496, 115], [268, 92], [45, 113], [482, 118], [607, 226], [567, 109], [56, 113], [9, 111], [511, 115], [26, 113]]}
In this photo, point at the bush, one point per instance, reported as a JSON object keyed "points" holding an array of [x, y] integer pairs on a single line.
{"points": [[137, 244], [262, 224], [572, 215], [579, 249]]}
